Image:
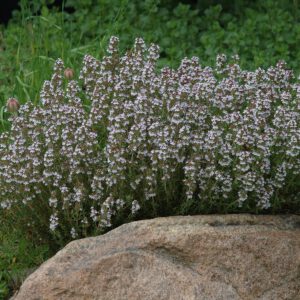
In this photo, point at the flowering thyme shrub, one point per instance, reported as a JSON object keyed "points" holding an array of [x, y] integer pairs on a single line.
{"points": [[151, 143]]}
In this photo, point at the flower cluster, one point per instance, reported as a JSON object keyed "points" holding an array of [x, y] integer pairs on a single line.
{"points": [[218, 133]]}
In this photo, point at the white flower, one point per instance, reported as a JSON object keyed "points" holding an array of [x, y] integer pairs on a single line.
{"points": [[73, 233], [135, 207], [53, 222]]}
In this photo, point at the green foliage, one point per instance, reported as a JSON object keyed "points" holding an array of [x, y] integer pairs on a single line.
{"points": [[18, 257], [261, 32]]}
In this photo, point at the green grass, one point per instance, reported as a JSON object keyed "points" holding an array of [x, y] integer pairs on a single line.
{"points": [[18, 258], [31, 46]]}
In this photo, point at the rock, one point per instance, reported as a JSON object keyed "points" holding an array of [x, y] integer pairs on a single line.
{"points": [[191, 257]]}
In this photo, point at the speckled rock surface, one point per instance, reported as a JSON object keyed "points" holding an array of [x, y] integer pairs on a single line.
{"points": [[192, 257]]}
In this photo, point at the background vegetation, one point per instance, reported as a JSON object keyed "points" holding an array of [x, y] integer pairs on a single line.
{"points": [[261, 32]]}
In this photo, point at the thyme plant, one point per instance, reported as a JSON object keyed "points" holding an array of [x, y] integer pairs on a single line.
{"points": [[150, 143]]}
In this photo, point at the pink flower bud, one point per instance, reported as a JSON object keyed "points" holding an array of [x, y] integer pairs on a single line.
{"points": [[69, 73], [12, 105]]}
